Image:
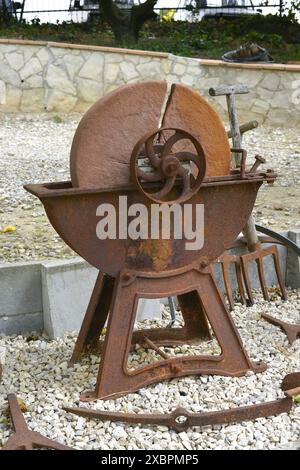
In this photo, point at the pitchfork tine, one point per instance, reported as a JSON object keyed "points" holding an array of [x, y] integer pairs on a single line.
{"points": [[239, 277], [225, 261], [278, 274], [262, 279], [247, 280], [225, 271]]}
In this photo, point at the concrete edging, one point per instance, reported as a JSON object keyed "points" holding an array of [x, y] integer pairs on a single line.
{"points": [[53, 295]]}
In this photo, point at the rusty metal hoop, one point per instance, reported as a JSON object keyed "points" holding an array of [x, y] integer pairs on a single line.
{"points": [[167, 165]]}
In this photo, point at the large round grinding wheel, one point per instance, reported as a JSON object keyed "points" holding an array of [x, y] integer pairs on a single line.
{"points": [[108, 132], [189, 111]]}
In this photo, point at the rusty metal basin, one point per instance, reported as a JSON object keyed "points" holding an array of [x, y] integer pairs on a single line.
{"points": [[228, 203]]}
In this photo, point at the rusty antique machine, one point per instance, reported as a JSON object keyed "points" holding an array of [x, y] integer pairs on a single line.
{"points": [[154, 146]]}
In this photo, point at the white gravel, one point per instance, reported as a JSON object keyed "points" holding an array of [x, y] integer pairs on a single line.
{"points": [[36, 369]]}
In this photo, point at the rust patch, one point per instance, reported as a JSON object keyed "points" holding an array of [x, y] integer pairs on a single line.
{"points": [[155, 254]]}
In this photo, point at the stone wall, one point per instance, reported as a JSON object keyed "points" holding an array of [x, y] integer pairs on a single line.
{"points": [[39, 76]]}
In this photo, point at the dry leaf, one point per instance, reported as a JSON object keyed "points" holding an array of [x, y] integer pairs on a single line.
{"points": [[9, 229]]}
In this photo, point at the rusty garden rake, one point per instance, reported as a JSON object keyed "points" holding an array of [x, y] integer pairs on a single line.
{"points": [[257, 252]]}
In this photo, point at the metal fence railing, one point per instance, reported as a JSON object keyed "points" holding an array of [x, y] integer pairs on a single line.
{"points": [[53, 11]]}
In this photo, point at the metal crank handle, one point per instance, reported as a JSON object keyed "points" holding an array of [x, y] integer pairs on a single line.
{"points": [[181, 419], [258, 161]]}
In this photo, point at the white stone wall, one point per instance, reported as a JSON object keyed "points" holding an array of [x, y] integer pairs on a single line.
{"points": [[35, 77]]}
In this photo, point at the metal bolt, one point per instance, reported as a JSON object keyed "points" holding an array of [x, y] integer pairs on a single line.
{"points": [[126, 277], [175, 368], [258, 162], [204, 263]]}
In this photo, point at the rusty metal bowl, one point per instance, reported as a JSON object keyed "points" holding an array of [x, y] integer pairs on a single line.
{"points": [[72, 213]]}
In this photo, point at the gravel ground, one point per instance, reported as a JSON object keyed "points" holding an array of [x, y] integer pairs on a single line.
{"points": [[36, 369], [36, 149]]}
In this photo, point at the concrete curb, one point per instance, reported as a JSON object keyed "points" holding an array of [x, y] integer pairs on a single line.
{"points": [[53, 295]]}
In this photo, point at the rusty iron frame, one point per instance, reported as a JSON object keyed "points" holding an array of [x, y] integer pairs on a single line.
{"points": [[200, 301], [23, 438], [155, 269]]}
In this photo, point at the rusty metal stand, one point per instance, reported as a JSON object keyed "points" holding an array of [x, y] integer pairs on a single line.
{"points": [[171, 164], [200, 300], [95, 317], [23, 438]]}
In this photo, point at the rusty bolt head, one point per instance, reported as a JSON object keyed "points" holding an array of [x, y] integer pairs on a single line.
{"points": [[175, 368], [204, 263], [260, 159], [126, 277], [170, 165]]}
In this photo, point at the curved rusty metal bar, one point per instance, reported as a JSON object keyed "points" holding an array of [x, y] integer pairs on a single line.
{"points": [[280, 238]]}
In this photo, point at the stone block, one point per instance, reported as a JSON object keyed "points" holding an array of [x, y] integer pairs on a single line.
{"points": [[113, 58], [67, 287], [20, 289], [111, 72], [93, 67], [58, 51], [281, 100], [56, 100], [29, 52], [33, 100], [2, 92], [279, 117], [44, 56], [21, 324], [260, 107], [128, 71], [293, 262], [13, 99], [148, 309], [150, 70], [6, 48], [34, 81], [270, 81], [249, 77], [179, 69], [15, 60], [73, 64], [88, 90], [58, 79], [188, 80], [9, 75], [32, 67]]}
